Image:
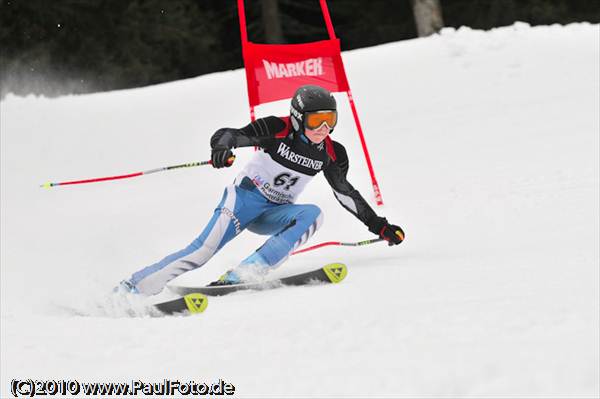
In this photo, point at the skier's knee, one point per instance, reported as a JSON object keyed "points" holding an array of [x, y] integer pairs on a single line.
{"points": [[313, 213], [312, 218]]}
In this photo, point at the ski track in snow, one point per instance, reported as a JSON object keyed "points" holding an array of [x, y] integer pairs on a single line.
{"points": [[486, 147]]}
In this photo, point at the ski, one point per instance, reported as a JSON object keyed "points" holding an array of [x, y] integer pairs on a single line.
{"points": [[192, 302], [331, 274]]}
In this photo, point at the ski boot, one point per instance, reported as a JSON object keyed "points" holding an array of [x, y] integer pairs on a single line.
{"points": [[126, 287], [252, 269], [229, 278]]}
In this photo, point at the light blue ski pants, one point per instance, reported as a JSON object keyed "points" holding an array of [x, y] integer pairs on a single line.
{"points": [[290, 225]]}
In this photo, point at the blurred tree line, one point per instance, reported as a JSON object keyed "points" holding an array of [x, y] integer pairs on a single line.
{"points": [[77, 46]]}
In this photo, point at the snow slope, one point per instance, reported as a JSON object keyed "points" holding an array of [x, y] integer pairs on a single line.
{"points": [[486, 146]]}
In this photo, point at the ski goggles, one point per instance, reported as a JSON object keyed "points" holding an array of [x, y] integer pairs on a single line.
{"points": [[314, 120]]}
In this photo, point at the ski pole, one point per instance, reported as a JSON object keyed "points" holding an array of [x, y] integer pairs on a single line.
{"points": [[147, 172], [337, 243]]}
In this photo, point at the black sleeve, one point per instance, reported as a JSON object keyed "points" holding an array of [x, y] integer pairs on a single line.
{"points": [[260, 133], [347, 196]]}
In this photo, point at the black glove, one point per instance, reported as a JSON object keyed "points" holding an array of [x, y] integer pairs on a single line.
{"points": [[390, 232], [221, 157]]}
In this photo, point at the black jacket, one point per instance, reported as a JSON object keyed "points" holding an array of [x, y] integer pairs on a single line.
{"points": [[275, 136]]}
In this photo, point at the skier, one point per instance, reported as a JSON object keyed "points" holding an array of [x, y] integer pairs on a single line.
{"points": [[262, 197]]}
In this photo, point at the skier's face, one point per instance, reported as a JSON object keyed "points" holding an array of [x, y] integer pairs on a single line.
{"points": [[319, 134]]}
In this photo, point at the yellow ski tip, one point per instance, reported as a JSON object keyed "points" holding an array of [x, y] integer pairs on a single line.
{"points": [[46, 185], [196, 302], [336, 272]]}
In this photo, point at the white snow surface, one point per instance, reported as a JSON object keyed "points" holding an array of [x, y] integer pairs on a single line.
{"points": [[486, 147]]}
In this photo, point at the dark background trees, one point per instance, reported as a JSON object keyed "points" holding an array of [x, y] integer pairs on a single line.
{"points": [[77, 46]]}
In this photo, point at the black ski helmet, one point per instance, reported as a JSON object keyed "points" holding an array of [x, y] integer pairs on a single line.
{"points": [[309, 98]]}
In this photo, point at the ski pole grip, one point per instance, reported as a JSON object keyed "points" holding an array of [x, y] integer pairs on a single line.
{"points": [[230, 160]]}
